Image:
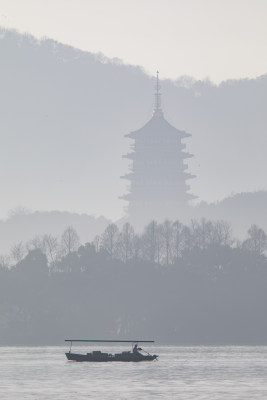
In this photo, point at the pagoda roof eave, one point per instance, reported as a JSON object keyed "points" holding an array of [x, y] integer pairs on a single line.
{"points": [[156, 121], [191, 196], [126, 197], [127, 176], [189, 176], [131, 156], [187, 155]]}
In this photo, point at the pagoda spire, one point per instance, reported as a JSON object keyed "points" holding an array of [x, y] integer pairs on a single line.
{"points": [[157, 107]]}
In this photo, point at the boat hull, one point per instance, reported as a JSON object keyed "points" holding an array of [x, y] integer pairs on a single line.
{"points": [[104, 357]]}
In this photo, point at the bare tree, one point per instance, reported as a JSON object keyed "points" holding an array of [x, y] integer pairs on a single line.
{"points": [[125, 241], [166, 232], [178, 239], [222, 233], [51, 246], [17, 252], [257, 241], [202, 233], [19, 211], [96, 242], [36, 243], [137, 247], [4, 261], [48, 245], [69, 240], [109, 239], [150, 240], [194, 233]]}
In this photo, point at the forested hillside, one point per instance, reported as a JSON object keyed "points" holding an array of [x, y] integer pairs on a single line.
{"points": [[175, 283]]}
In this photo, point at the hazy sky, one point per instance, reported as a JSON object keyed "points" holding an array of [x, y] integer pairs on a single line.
{"points": [[218, 39]]}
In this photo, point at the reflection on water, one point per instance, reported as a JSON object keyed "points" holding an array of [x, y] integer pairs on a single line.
{"points": [[40, 373]]}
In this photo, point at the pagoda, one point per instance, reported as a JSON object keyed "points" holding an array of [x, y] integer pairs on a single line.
{"points": [[158, 175]]}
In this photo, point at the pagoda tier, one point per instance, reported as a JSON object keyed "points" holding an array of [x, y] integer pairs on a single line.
{"points": [[137, 177]]}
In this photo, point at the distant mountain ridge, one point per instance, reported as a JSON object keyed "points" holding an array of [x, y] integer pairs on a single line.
{"points": [[240, 210], [25, 226]]}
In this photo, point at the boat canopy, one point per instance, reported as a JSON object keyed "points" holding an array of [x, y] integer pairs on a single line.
{"points": [[109, 341]]}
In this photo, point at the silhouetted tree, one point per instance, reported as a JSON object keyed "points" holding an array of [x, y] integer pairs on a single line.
{"points": [[178, 239], [36, 243], [222, 233], [4, 261], [206, 233], [97, 243], [166, 234], [69, 240], [51, 248], [109, 239], [17, 251], [150, 242], [137, 247], [257, 241], [125, 242]]}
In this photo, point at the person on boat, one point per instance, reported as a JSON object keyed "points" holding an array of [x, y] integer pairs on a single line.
{"points": [[136, 348]]}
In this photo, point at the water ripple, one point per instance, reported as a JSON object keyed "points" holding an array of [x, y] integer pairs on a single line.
{"points": [[182, 373]]}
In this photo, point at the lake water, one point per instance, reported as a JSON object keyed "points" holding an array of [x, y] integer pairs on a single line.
{"points": [[40, 373]]}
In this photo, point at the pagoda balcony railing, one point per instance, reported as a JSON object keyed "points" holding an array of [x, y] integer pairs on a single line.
{"points": [[190, 176], [159, 183], [128, 155], [141, 155], [158, 149], [187, 155]]}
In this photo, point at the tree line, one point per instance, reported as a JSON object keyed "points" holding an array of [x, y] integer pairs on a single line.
{"points": [[160, 243]]}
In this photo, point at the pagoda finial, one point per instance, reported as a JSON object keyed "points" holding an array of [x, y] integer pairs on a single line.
{"points": [[157, 107]]}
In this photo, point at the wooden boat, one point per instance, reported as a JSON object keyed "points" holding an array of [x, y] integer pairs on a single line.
{"points": [[136, 355]]}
